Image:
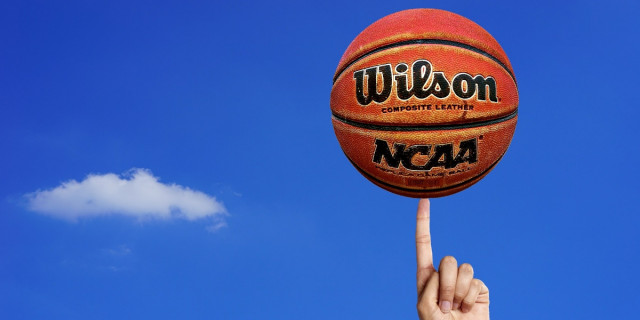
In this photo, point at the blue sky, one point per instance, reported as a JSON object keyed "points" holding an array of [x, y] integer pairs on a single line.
{"points": [[230, 101]]}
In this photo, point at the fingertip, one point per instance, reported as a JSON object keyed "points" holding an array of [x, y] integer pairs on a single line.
{"points": [[423, 209], [449, 262], [424, 203]]}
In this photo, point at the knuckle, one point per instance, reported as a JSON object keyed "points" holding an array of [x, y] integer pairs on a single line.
{"points": [[483, 287], [467, 304], [447, 290], [476, 283], [449, 260], [423, 239], [466, 268], [425, 271], [423, 216], [469, 300]]}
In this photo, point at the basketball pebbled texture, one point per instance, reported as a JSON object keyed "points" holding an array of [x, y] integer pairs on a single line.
{"points": [[424, 103]]}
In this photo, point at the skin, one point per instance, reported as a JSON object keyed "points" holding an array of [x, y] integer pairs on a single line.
{"points": [[451, 292]]}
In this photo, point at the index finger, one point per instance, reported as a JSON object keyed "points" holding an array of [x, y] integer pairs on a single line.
{"points": [[424, 254]]}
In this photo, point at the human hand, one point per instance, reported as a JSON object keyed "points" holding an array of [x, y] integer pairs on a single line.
{"points": [[451, 292]]}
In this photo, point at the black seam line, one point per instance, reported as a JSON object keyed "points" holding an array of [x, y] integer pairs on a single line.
{"points": [[428, 41], [424, 127], [477, 177]]}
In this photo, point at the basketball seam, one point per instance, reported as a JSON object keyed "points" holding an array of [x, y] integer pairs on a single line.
{"points": [[366, 174], [379, 127], [427, 41]]}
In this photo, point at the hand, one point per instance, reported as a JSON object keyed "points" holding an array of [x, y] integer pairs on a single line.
{"points": [[450, 292]]}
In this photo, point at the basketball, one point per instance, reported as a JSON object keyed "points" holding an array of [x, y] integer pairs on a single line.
{"points": [[424, 103]]}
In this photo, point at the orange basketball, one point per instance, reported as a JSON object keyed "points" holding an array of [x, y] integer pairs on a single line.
{"points": [[424, 103]]}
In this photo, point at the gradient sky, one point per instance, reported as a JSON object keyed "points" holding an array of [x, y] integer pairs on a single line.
{"points": [[228, 102]]}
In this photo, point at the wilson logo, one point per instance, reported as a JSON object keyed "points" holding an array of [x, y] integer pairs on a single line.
{"points": [[424, 83], [441, 155]]}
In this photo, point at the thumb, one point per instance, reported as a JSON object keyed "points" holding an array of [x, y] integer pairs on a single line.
{"points": [[428, 302]]}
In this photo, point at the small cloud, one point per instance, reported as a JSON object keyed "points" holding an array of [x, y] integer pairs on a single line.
{"points": [[217, 226], [136, 194], [115, 269], [119, 251]]}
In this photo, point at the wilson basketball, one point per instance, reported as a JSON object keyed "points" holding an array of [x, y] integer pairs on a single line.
{"points": [[424, 103]]}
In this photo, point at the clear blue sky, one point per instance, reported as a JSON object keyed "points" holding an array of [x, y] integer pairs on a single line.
{"points": [[231, 99]]}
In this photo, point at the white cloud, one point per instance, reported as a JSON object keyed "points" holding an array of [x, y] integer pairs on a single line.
{"points": [[137, 194], [119, 251], [217, 226]]}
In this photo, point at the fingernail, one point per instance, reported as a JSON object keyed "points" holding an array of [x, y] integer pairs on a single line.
{"points": [[445, 306], [456, 305]]}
